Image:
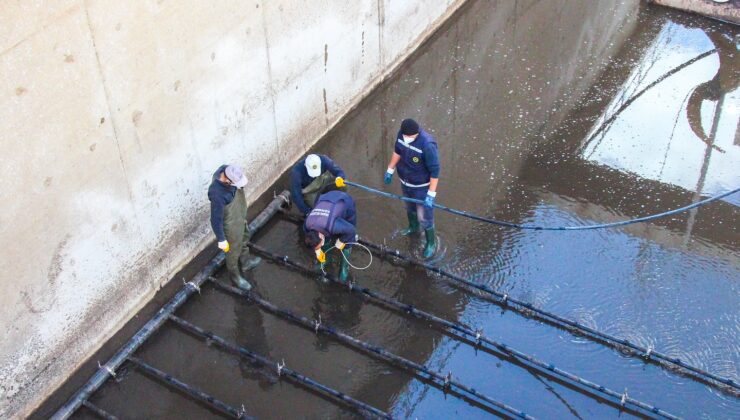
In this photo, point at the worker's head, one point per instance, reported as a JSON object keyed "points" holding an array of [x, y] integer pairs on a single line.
{"points": [[409, 130], [313, 165], [314, 239], [235, 176]]}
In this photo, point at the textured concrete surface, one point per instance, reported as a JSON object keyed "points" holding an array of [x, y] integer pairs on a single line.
{"points": [[113, 116]]}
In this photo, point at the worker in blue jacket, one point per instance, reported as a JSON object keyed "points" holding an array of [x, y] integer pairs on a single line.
{"points": [[229, 221], [332, 219], [313, 176], [416, 158]]}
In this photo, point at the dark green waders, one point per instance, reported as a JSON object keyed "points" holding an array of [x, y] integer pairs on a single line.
{"points": [[236, 228], [344, 265], [320, 185]]}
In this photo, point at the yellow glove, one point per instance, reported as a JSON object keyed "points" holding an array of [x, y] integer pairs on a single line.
{"points": [[339, 245], [321, 256], [339, 182], [224, 246]]}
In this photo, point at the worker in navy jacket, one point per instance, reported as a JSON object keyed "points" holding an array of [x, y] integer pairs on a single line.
{"points": [[311, 177], [229, 221], [417, 161], [332, 219]]}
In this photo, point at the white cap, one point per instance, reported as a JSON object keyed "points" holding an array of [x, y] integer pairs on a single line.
{"points": [[236, 176], [313, 165]]}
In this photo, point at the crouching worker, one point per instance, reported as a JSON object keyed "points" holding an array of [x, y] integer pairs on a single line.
{"points": [[229, 221], [333, 219], [311, 177]]}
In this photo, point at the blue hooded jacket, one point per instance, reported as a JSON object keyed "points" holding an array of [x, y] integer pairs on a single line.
{"points": [[220, 195], [419, 160], [334, 216]]}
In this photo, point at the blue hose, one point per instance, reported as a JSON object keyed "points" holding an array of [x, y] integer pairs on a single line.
{"points": [[531, 227]]}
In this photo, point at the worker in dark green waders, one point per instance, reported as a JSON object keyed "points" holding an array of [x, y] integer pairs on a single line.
{"points": [[332, 219], [416, 158], [311, 177], [229, 221]]}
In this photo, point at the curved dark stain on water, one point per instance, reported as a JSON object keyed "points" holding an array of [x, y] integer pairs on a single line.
{"points": [[549, 113]]}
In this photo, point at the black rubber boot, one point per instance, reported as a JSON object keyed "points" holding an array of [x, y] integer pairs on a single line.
{"points": [[413, 224], [344, 266], [249, 263], [240, 282], [431, 245]]}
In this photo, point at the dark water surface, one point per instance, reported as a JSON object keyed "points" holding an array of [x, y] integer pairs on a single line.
{"points": [[541, 118]]}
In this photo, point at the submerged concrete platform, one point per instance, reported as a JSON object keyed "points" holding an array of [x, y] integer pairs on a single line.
{"points": [[728, 11]]}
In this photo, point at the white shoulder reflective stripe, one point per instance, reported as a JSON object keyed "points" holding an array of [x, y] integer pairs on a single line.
{"points": [[412, 185], [415, 149], [319, 212]]}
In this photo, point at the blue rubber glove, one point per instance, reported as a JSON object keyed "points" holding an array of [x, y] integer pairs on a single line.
{"points": [[429, 201], [388, 178]]}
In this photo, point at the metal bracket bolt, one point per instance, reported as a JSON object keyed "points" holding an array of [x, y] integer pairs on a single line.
{"points": [[448, 379], [108, 369], [191, 284], [280, 367], [648, 352]]}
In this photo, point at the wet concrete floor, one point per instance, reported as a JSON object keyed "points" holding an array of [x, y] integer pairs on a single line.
{"points": [[548, 113]]}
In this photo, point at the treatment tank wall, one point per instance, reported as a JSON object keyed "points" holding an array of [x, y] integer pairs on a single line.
{"points": [[114, 115]]}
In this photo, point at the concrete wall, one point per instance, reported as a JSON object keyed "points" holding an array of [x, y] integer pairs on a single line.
{"points": [[113, 115]]}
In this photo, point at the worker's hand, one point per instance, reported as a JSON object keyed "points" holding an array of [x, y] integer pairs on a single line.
{"points": [[388, 176], [339, 182], [429, 200], [339, 245], [224, 246], [321, 256]]}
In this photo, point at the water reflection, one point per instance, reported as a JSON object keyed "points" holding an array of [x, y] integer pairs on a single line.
{"points": [[725, 81], [668, 119], [250, 333], [334, 307], [512, 115]]}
